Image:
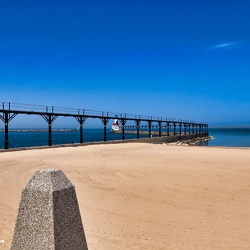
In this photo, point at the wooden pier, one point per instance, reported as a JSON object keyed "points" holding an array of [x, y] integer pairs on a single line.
{"points": [[155, 125]]}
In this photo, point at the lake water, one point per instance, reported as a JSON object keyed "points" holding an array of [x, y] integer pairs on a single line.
{"points": [[222, 137], [29, 139], [230, 137]]}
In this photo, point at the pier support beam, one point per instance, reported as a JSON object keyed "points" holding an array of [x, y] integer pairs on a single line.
{"points": [[123, 122], [50, 118], [137, 122], [6, 130], [174, 128], [185, 128], [81, 120], [6, 118], [149, 128], [168, 125], [105, 122], [180, 125], [159, 123]]}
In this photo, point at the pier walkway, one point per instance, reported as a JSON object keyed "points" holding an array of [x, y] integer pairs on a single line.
{"points": [[8, 111]]}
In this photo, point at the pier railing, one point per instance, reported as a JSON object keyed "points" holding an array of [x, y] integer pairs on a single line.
{"points": [[8, 111]]}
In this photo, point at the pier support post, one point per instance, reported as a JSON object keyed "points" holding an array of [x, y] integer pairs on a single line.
{"points": [[149, 128], [196, 128], [189, 129], [49, 118], [81, 131], [137, 122], [159, 123], [49, 216], [105, 122], [81, 120], [6, 118], [193, 129], [6, 131], [168, 128], [123, 122], [174, 128], [180, 128], [50, 130], [185, 128], [105, 132]]}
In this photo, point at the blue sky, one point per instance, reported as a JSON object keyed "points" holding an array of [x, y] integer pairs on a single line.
{"points": [[177, 59]]}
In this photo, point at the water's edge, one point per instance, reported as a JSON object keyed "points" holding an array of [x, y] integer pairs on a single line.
{"points": [[189, 140]]}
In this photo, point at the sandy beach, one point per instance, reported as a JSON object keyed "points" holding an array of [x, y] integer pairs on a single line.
{"points": [[143, 196]]}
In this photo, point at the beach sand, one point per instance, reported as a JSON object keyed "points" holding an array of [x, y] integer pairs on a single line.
{"points": [[143, 196]]}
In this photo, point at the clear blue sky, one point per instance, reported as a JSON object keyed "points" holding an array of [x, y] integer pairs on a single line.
{"points": [[177, 59]]}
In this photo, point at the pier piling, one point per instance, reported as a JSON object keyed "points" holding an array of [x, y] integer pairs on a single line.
{"points": [[49, 118]]}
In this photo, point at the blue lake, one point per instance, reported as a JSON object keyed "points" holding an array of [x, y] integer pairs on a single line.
{"points": [[230, 137], [233, 137], [29, 139]]}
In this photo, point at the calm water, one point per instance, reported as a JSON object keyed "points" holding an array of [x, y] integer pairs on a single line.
{"points": [[222, 137], [230, 137], [29, 139]]}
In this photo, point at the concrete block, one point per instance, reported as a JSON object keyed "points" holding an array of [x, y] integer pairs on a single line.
{"points": [[49, 215]]}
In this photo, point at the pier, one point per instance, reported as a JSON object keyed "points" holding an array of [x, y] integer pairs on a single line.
{"points": [[157, 126]]}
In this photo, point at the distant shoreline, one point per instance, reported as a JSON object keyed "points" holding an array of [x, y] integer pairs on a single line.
{"points": [[39, 130]]}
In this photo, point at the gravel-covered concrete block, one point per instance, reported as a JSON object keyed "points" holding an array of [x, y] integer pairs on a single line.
{"points": [[49, 215]]}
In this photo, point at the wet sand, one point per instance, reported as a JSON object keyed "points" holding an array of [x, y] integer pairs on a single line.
{"points": [[143, 196]]}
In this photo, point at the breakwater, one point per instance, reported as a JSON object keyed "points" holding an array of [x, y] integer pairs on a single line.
{"points": [[133, 132], [190, 140]]}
